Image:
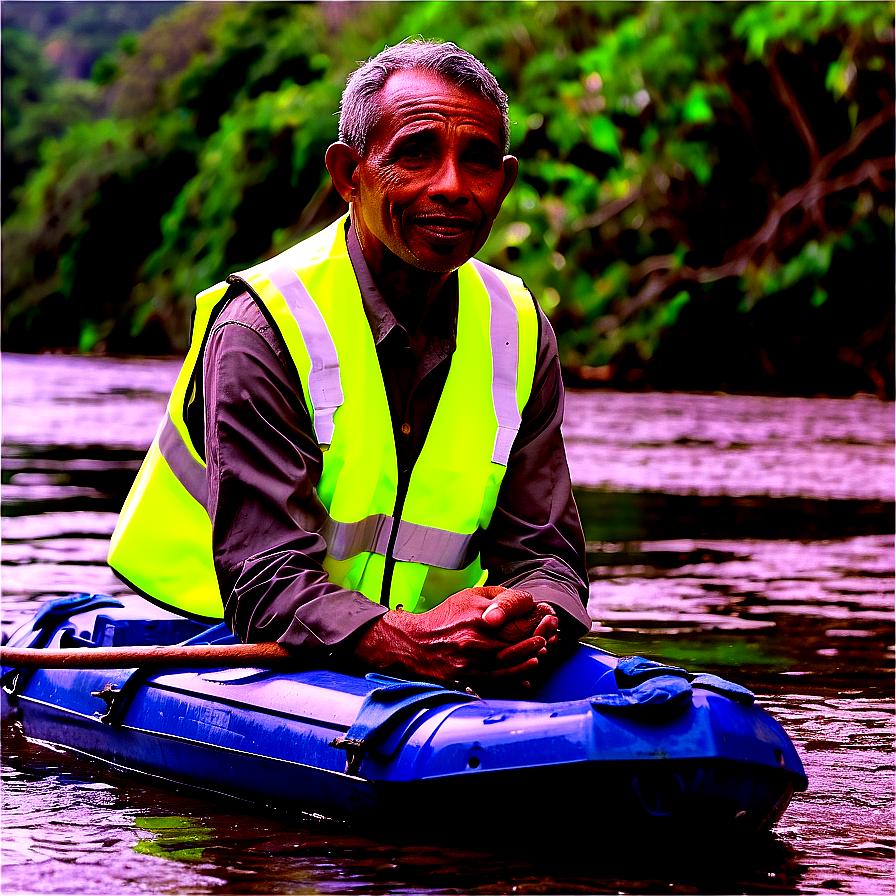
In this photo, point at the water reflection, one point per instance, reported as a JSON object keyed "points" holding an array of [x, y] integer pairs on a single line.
{"points": [[50, 555], [172, 837], [66, 832], [54, 478], [845, 820], [141, 836], [734, 445]]}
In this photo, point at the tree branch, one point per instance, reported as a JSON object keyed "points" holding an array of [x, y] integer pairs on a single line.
{"points": [[788, 99], [661, 277], [605, 212]]}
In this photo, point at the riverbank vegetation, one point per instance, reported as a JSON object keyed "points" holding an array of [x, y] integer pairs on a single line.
{"points": [[705, 200]]}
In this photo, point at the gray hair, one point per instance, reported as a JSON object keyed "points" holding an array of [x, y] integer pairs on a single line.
{"points": [[359, 111]]}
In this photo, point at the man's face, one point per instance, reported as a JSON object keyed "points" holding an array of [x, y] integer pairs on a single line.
{"points": [[434, 175]]}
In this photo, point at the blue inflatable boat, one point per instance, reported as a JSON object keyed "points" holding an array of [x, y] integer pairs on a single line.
{"points": [[656, 745]]}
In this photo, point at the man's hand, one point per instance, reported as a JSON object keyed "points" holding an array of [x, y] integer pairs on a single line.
{"points": [[478, 637], [512, 615]]}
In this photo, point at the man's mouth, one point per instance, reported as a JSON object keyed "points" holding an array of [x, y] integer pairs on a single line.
{"points": [[444, 226]]}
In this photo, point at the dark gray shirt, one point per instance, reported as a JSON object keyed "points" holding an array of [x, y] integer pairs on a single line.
{"points": [[264, 462]]}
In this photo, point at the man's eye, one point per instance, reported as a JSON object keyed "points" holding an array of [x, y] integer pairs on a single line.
{"points": [[414, 151], [482, 160]]}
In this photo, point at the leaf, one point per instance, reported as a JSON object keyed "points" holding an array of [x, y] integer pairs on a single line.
{"points": [[604, 136], [697, 109]]}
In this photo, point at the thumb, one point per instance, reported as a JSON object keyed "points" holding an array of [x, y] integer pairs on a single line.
{"points": [[507, 605]]}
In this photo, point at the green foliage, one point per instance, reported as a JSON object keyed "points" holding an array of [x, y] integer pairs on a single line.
{"points": [[769, 27], [691, 125], [678, 161], [811, 263], [36, 105], [76, 35], [261, 144]]}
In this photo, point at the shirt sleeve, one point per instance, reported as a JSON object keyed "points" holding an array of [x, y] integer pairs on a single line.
{"points": [[535, 541], [263, 465]]}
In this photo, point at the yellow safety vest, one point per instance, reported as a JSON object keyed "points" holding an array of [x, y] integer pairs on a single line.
{"points": [[162, 545]]}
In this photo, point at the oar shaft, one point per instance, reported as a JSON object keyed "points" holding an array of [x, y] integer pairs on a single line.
{"points": [[268, 655]]}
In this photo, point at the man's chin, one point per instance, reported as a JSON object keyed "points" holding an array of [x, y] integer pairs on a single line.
{"points": [[439, 266], [441, 259]]}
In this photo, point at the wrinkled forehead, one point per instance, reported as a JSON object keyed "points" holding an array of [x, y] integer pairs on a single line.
{"points": [[412, 98]]}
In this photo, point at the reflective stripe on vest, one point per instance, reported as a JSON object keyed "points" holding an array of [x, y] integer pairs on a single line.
{"points": [[190, 472], [414, 543], [503, 333], [324, 384], [422, 550]]}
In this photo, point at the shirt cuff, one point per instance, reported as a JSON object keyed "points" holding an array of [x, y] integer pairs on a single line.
{"points": [[575, 622], [331, 622]]}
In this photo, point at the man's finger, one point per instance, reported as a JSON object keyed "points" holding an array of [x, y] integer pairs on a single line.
{"points": [[523, 626], [547, 627], [519, 653], [508, 605], [519, 671]]}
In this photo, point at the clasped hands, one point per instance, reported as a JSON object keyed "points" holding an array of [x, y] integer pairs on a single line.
{"points": [[488, 638]]}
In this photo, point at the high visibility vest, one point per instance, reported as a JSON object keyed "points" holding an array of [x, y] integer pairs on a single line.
{"points": [[428, 537]]}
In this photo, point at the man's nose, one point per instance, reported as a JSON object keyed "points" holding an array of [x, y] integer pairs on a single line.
{"points": [[449, 184]]}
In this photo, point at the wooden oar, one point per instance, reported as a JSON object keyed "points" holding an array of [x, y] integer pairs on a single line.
{"points": [[266, 656]]}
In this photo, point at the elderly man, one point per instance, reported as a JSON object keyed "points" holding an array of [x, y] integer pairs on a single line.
{"points": [[362, 458]]}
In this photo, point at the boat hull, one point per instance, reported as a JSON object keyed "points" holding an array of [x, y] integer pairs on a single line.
{"points": [[294, 739]]}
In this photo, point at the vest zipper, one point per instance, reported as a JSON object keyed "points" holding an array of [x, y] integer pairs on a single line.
{"points": [[406, 458], [389, 566]]}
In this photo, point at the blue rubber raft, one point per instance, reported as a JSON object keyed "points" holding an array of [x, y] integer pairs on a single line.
{"points": [[661, 747]]}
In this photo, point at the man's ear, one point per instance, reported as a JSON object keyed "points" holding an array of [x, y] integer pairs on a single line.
{"points": [[511, 170], [342, 163]]}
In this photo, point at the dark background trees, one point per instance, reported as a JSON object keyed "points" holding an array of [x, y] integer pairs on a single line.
{"points": [[705, 201]]}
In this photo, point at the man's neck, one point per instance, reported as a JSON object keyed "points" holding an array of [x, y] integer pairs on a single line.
{"points": [[409, 292]]}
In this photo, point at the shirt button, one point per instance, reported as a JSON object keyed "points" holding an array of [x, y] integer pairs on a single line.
{"points": [[406, 428]]}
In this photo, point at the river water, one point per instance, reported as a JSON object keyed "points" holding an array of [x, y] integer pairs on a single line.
{"points": [[747, 536]]}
